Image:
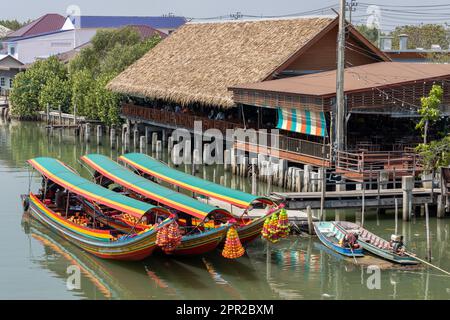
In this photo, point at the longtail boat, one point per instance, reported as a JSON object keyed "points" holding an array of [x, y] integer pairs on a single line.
{"points": [[204, 226], [375, 244], [248, 228], [332, 237], [64, 213]]}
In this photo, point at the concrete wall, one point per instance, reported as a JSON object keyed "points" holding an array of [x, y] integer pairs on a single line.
{"points": [[29, 50]]}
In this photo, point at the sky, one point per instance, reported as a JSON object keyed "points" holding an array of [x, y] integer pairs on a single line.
{"points": [[30, 9]]}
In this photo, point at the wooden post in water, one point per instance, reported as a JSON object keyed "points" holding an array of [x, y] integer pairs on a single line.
{"points": [[310, 220], [226, 160], [407, 187], [169, 144], [427, 225], [206, 154], [159, 146], [187, 152], [269, 178], [75, 114], [363, 200], [127, 141], [135, 138], [112, 138], [142, 144], [233, 161], [48, 114], [323, 188], [396, 215], [99, 134], [88, 133], [254, 161], [196, 161], [60, 115], [440, 207], [155, 138]]}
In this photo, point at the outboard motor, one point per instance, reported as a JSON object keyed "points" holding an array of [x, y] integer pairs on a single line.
{"points": [[396, 242]]}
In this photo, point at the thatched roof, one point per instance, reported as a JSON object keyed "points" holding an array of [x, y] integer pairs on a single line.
{"points": [[199, 61]]}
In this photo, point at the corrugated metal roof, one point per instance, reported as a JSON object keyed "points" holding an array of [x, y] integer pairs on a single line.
{"points": [[119, 21], [47, 23], [148, 32], [358, 78]]}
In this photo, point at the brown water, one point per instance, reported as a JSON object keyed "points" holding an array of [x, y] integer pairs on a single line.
{"points": [[34, 261]]}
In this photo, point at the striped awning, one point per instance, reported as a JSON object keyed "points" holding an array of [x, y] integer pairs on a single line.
{"points": [[302, 121]]}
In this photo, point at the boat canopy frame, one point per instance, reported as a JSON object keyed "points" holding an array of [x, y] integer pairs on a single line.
{"points": [[59, 173], [160, 170], [140, 185]]}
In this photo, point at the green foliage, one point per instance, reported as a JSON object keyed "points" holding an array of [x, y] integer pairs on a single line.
{"points": [[82, 84], [438, 57], [56, 93], [107, 101], [430, 109], [435, 154], [28, 85], [370, 33], [13, 24], [119, 57], [111, 52], [421, 36], [49, 82]]}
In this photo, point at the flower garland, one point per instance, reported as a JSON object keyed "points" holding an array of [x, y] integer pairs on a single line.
{"points": [[233, 248], [169, 237], [276, 226]]}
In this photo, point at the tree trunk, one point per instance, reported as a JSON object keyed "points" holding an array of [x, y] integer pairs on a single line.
{"points": [[425, 132]]}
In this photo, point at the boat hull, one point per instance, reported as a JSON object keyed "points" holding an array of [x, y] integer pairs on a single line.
{"points": [[200, 243], [335, 246], [251, 231], [386, 254], [134, 249]]}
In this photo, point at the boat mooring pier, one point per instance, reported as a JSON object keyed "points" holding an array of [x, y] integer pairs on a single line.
{"points": [[354, 198]]}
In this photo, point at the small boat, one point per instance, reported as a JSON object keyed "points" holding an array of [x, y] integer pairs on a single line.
{"points": [[331, 237], [203, 226], [64, 213], [375, 244], [248, 228]]}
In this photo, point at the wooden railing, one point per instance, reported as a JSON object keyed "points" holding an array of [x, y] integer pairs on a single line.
{"points": [[174, 119], [406, 161]]}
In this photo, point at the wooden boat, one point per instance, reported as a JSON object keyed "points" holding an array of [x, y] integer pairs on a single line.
{"points": [[71, 221], [204, 226], [375, 244], [331, 235], [248, 228]]}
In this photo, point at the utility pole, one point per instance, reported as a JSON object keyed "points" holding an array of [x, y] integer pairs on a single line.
{"points": [[351, 7], [340, 99], [236, 16]]}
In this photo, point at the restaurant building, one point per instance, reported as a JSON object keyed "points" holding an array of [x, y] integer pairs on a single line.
{"points": [[186, 77], [381, 110]]}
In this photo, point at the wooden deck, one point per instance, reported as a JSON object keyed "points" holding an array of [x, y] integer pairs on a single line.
{"points": [[385, 198]]}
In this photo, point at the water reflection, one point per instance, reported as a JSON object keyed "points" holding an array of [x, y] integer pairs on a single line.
{"points": [[296, 268]]}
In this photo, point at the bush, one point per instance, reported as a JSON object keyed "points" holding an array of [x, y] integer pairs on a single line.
{"points": [[28, 85]]}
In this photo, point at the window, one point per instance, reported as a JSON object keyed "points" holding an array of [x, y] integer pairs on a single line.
{"points": [[10, 83], [2, 82], [12, 51]]}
